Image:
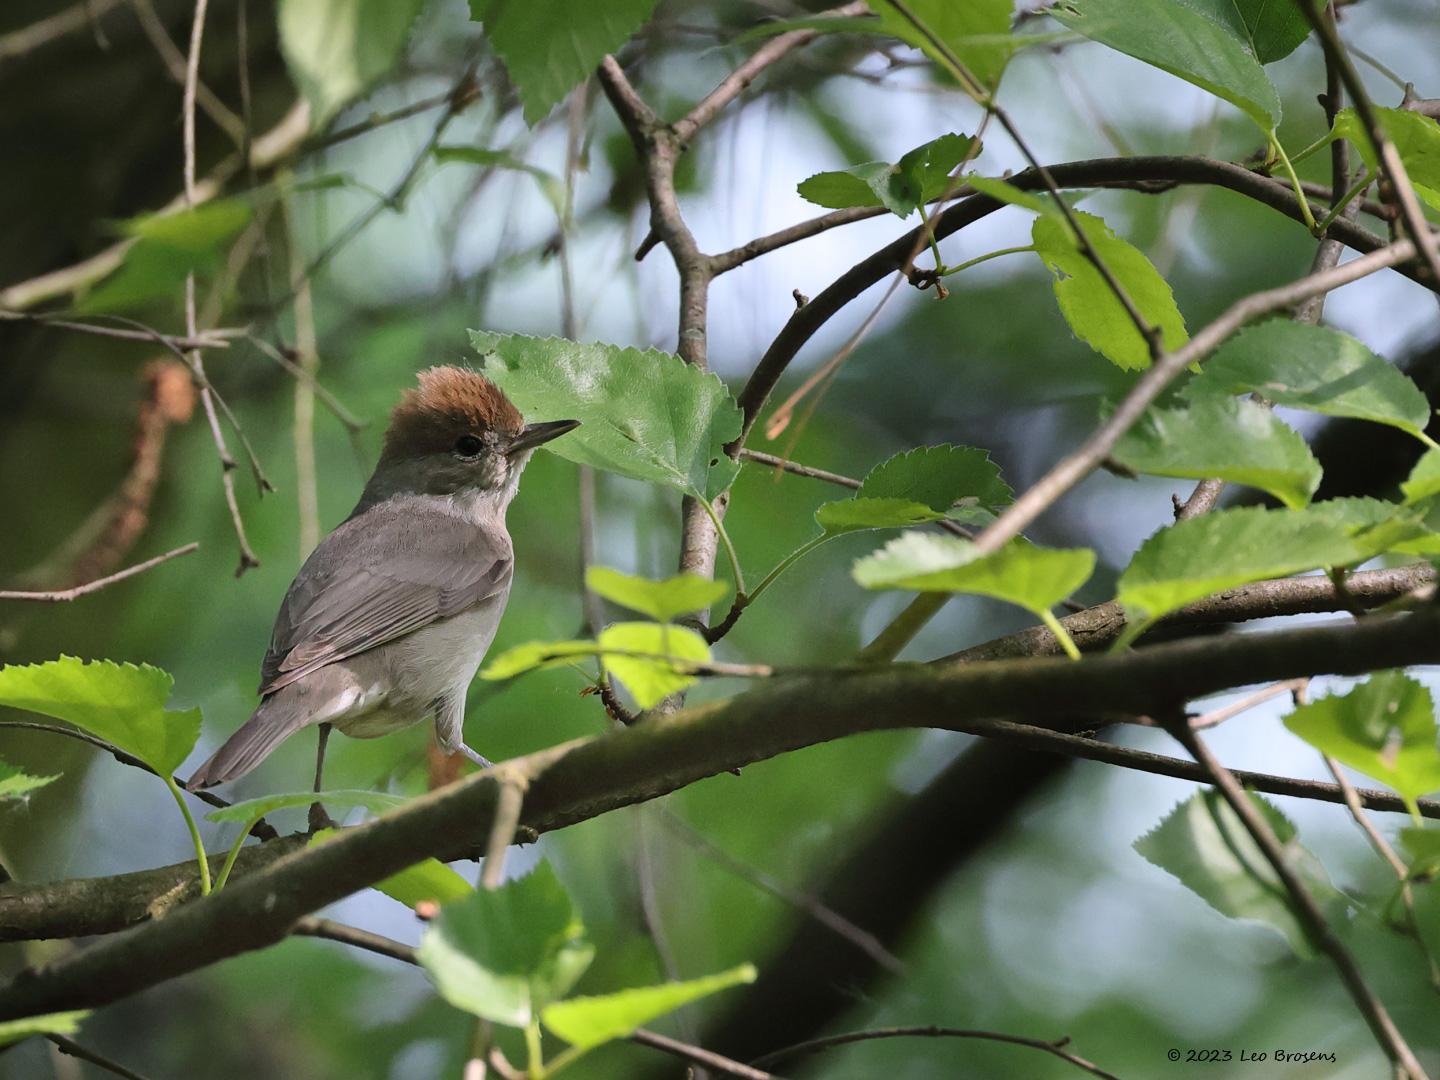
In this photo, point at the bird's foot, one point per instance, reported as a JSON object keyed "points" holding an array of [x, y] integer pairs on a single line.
{"points": [[478, 759]]}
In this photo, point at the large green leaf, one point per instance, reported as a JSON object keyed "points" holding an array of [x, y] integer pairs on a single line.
{"points": [[1316, 369], [338, 49], [1203, 844], [651, 681], [1020, 573], [1230, 438], [1417, 141], [661, 600], [930, 483], [976, 31], [120, 703], [586, 1022], [643, 413], [505, 954], [1094, 313], [1272, 30], [1384, 727], [252, 810], [1192, 559], [60, 1023], [16, 783], [1185, 40], [549, 46], [921, 175]]}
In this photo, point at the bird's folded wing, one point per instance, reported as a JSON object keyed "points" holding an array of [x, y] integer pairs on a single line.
{"points": [[377, 578]]}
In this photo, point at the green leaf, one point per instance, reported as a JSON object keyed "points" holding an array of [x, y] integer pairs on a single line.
{"points": [[1233, 439], [1092, 310], [921, 175], [661, 600], [60, 1023], [1185, 40], [251, 810], [1019, 573], [549, 46], [549, 184], [534, 656], [851, 515], [1423, 847], [166, 249], [505, 954], [1316, 369], [428, 881], [337, 49], [976, 31], [1203, 844], [587, 1022], [1417, 141], [644, 414], [651, 681], [1424, 479], [1192, 559], [1384, 727], [120, 703], [930, 483], [1006, 192], [16, 783]]}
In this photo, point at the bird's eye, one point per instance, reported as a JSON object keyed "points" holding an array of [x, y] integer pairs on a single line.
{"points": [[468, 446]]}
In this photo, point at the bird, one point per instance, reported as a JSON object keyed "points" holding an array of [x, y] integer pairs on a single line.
{"points": [[389, 618]]}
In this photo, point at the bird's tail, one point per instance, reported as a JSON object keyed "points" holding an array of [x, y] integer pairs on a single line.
{"points": [[277, 718]]}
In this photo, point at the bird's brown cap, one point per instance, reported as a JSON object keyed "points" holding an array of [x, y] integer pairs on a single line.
{"points": [[449, 402]]}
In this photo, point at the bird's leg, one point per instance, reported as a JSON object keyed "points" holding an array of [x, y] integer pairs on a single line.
{"points": [[450, 729], [319, 819], [478, 759]]}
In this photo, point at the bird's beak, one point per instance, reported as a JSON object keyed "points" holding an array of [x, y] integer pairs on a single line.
{"points": [[535, 434]]}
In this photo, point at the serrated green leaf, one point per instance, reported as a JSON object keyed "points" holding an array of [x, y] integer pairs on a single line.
{"points": [[1192, 559], [644, 414], [1020, 573], [587, 1022], [929, 483], [1417, 141], [1424, 479], [1185, 40], [1233, 439], [120, 703], [16, 783], [505, 954], [338, 49], [1384, 727], [1316, 369], [919, 176], [976, 31], [1203, 844], [661, 600], [651, 681], [1094, 313], [60, 1023], [252, 810], [550, 46], [428, 881], [549, 184]]}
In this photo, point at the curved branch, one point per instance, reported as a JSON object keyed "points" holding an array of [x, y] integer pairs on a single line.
{"points": [[588, 777]]}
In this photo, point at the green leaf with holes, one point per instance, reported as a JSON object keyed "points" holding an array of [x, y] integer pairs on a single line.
{"points": [[1384, 728], [920, 176], [643, 413], [505, 954], [587, 1022], [1316, 369], [124, 704], [661, 600], [1090, 306], [1233, 439], [1020, 573], [1204, 845]]}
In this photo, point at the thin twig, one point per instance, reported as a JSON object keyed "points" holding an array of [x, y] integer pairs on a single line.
{"points": [[84, 1053], [311, 926], [699, 1055], [1306, 910], [64, 595], [786, 465], [174, 61], [1216, 717], [211, 339], [75, 17], [502, 833], [1057, 1048]]}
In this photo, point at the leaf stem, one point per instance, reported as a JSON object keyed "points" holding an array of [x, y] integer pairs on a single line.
{"points": [[200, 856], [566, 1057], [1289, 168], [1056, 627], [948, 270], [234, 854], [785, 564], [724, 539], [1366, 179], [534, 1054]]}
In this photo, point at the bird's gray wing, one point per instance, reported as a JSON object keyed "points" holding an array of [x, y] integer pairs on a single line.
{"points": [[381, 575]]}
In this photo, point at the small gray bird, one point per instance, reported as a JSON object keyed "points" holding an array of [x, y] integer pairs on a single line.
{"points": [[390, 616]]}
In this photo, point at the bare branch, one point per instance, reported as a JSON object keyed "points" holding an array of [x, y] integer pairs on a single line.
{"points": [[211, 339], [64, 595], [786, 465], [700, 1056], [84, 1053], [75, 17]]}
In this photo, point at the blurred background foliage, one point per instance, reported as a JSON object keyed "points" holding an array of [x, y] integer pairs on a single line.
{"points": [[1053, 927]]}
